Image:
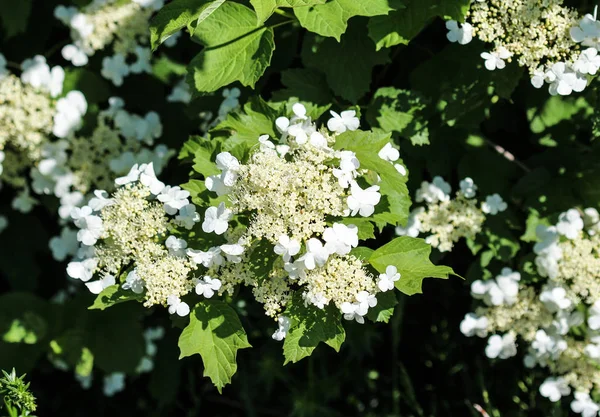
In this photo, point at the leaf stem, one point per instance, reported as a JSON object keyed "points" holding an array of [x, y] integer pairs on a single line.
{"points": [[285, 14], [285, 22]]}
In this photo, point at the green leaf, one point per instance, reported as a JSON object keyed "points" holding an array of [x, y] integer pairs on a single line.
{"points": [[114, 295], [178, 14], [14, 16], [367, 145], [347, 65], [366, 230], [311, 326], [411, 257], [402, 111], [331, 19], [216, 333], [265, 8], [235, 49], [384, 310], [258, 118], [203, 152], [401, 25], [362, 253]]}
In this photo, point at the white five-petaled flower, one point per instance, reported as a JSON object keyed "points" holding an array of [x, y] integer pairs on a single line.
{"points": [[100, 200], [354, 311], [316, 254], [472, 325], [216, 219], [495, 60], [564, 80], [555, 388], [569, 224], [90, 226], [468, 187], [177, 306], [187, 216], [347, 170], [340, 238], [555, 298], [463, 34], [83, 270], [493, 204], [176, 246], [387, 280], [134, 283], [96, 287], [588, 62], [389, 153], [287, 247], [233, 252], [207, 286], [284, 326], [584, 405], [346, 120], [434, 191], [173, 199], [207, 259], [587, 32], [362, 201], [502, 347]]}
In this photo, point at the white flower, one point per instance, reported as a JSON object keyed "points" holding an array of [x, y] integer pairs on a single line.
{"points": [[76, 55], [468, 187], [472, 325], [115, 68], [173, 199], [134, 283], [591, 219], [495, 60], [153, 4], [563, 80], [142, 63], [569, 224], [90, 226], [546, 347], [206, 259], [587, 32], [594, 316], [64, 245], [68, 202], [555, 388], [69, 113], [287, 247], [113, 384], [296, 269], [229, 166], [187, 216], [176, 246], [284, 326], [82, 270], [348, 166], [316, 254], [39, 75], [463, 34], [387, 280], [493, 204], [318, 140], [96, 287], [233, 252], [82, 26], [346, 120], [100, 200], [24, 202], [132, 176], [340, 238], [584, 405], [207, 286], [389, 153], [540, 76], [265, 143], [413, 224], [65, 14], [318, 299], [177, 306], [588, 62], [216, 219], [502, 347], [148, 178], [366, 300], [401, 169], [354, 311], [437, 190], [555, 298], [362, 201], [180, 93]]}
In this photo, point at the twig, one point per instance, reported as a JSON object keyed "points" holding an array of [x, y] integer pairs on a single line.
{"points": [[507, 155]]}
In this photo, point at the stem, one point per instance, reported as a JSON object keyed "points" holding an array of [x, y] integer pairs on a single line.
{"points": [[285, 14], [285, 22], [13, 65], [507, 155]]}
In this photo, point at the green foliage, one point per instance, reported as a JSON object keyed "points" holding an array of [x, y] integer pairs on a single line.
{"points": [[216, 333], [15, 394], [114, 295], [411, 257], [331, 18], [311, 326], [14, 16], [265, 8], [403, 24], [235, 49], [384, 310]]}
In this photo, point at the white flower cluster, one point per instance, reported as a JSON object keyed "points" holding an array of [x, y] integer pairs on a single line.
{"points": [[124, 24], [560, 320], [447, 220], [559, 49]]}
